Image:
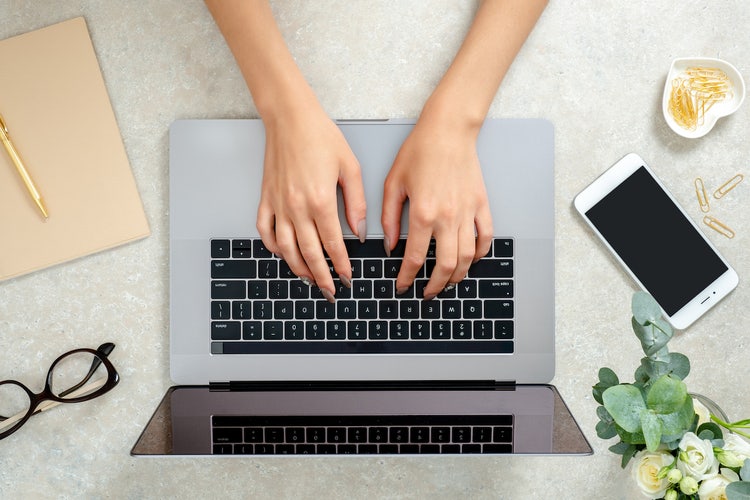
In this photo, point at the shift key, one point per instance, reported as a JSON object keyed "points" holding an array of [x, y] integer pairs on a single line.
{"points": [[492, 268]]}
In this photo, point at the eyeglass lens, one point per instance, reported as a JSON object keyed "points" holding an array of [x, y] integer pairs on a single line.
{"points": [[77, 375], [14, 403]]}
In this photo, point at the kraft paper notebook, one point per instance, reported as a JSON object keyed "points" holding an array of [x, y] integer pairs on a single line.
{"points": [[58, 115]]}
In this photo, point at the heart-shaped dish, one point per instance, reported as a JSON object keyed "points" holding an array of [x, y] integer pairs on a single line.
{"points": [[721, 108]]}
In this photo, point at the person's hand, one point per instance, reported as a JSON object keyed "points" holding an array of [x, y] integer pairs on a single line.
{"points": [[306, 158], [438, 170]]}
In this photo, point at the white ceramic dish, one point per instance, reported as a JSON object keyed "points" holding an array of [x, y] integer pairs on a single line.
{"points": [[723, 108]]}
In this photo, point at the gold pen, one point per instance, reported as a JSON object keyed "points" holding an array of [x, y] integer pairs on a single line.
{"points": [[30, 187]]}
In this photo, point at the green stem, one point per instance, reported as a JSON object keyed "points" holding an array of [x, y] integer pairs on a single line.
{"points": [[732, 427]]}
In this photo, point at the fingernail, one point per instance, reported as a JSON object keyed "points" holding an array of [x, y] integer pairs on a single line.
{"points": [[362, 230], [430, 296], [307, 281], [402, 290], [328, 295], [346, 281], [387, 245]]}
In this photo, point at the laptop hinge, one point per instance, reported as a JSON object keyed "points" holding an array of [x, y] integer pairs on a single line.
{"points": [[378, 385]]}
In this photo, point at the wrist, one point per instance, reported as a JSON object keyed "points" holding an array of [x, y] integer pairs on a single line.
{"points": [[453, 112]]}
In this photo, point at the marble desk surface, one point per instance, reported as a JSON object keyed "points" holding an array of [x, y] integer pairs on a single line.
{"points": [[595, 68]]}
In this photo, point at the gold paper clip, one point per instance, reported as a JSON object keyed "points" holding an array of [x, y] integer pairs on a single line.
{"points": [[718, 226], [728, 186], [700, 192]]}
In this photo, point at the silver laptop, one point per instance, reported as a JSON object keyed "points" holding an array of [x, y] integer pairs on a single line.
{"points": [[265, 365]]}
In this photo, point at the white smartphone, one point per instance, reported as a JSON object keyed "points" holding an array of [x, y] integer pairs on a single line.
{"points": [[656, 242]]}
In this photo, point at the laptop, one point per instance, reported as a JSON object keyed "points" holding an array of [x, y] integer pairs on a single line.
{"points": [[264, 365]]}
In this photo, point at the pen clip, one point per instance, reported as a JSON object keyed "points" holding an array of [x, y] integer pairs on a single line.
{"points": [[3, 126]]}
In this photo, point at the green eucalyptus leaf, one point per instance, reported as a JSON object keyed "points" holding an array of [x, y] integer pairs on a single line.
{"points": [[608, 377], [651, 429], [745, 470], [667, 395], [641, 374], [674, 425], [619, 448], [605, 430], [710, 431], [627, 455], [739, 490], [645, 309], [679, 365], [625, 403], [604, 415]]}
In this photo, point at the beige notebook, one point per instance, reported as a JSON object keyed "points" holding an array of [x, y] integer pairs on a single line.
{"points": [[60, 120]]}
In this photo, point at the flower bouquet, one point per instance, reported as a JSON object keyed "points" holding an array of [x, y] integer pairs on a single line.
{"points": [[675, 446]]}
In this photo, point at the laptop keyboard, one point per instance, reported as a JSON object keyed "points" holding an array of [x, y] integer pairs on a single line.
{"points": [[362, 435], [258, 306]]}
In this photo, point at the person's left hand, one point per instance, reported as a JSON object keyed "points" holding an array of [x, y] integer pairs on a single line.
{"points": [[438, 170]]}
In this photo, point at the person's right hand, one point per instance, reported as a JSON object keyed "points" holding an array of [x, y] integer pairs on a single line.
{"points": [[306, 158]]}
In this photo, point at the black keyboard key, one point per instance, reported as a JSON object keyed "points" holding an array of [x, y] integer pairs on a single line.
{"points": [[278, 289], [496, 289], [409, 309], [227, 435], [497, 448], [284, 449], [226, 330], [420, 434], [367, 309], [450, 449], [471, 448], [362, 289], [263, 309], [242, 309], [451, 309], [356, 330], [357, 434], [420, 330], [223, 449], [283, 309], [298, 290], [336, 435], [294, 435], [461, 434], [220, 309], [316, 434], [483, 330], [274, 434], [399, 435], [441, 330], [408, 449], [399, 330], [260, 251], [325, 449], [220, 249], [232, 269], [430, 309], [305, 449], [264, 449], [388, 449], [503, 248], [383, 289], [336, 330], [304, 309], [342, 291], [227, 289], [252, 330], [273, 330], [503, 330], [378, 434], [315, 330], [356, 268], [285, 272], [325, 310], [346, 449], [388, 309], [482, 434], [462, 330], [492, 268], [378, 330], [440, 434], [257, 290], [391, 267], [472, 309], [372, 268], [501, 309], [429, 449], [502, 434], [268, 269], [367, 449], [370, 248], [253, 435], [346, 309], [294, 330], [467, 289]]}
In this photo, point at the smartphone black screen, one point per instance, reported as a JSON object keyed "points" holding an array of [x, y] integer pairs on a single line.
{"points": [[655, 240]]}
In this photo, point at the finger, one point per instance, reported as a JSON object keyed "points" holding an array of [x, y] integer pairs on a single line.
{"points": [[355, 204], [265, 223], [312, 252], [287, 244], [393, 205], [329, 232], [466, 250], [417, 243], [485, 233], [446, 257]]}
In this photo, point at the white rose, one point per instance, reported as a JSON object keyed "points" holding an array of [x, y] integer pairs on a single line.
{"points": [[713, 487], [737, 445], [696, 458], [645, 469]]}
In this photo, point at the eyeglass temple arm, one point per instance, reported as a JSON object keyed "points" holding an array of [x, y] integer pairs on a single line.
{"points": [[105, 350], [46, 405]]}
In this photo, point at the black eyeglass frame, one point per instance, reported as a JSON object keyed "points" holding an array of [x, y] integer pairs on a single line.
{"points": [[36, 399]]}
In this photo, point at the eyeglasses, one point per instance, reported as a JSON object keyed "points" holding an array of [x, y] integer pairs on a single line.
{"points": [[76, 376]]}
